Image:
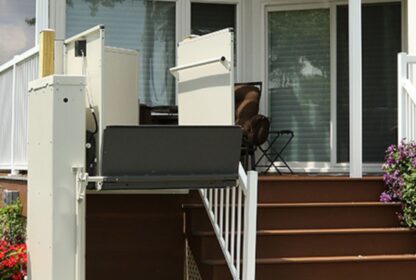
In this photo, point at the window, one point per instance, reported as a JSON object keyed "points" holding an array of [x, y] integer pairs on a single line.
{"points": [[206, 18], [146, 26], [381, 33], [17, 27], [299, 80]]}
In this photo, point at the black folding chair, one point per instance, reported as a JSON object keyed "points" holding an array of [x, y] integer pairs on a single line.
{"points": [[274, 153]]}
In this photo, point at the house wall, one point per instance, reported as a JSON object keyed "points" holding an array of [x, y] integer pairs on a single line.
{"points": [[15, 184]]}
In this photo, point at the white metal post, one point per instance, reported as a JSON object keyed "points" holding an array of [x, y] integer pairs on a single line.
{"points": [[250, 223], [401, 75], [42, 17], [355, 70], [13, 170], [411, 35]]}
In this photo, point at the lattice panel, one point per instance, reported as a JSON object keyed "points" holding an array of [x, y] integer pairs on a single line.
{"points": [[191, 268]]}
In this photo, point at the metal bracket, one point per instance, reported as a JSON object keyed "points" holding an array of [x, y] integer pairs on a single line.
{"points": [[81, 182]]}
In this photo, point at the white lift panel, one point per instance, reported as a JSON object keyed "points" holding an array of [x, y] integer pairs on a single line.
{"points": [[205, 76], [56, 144]]}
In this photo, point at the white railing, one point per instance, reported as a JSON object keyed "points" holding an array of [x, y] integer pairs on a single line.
{"points": [[235, 229], [406, 99], [14, 78]]}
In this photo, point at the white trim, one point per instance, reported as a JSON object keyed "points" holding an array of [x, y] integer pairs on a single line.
{"points": [[356, 88], [42, 17], [296, 7], [411, 35], [57, 18], [263, 59], [13, 129], [333, 85], [324, 167]]}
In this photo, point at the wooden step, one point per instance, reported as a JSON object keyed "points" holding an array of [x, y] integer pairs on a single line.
{"points": [[380, 267], [322, 242], [321, 228], [299, 189], [311, 215]]}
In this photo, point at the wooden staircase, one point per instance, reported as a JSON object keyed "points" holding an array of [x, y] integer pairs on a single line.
{"points": [[311, 228]]}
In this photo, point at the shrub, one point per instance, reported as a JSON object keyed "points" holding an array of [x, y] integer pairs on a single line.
{"points": [[13, 259], [13, 223], [13, 253], [400, 178]]}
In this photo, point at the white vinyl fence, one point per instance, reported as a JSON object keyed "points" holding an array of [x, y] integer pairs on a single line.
{"points": [[14, 78]]}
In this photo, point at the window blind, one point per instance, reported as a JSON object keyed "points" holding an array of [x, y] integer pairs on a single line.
{"points": [[207, 18], [146, 26], [381, 35], [299, 81]]}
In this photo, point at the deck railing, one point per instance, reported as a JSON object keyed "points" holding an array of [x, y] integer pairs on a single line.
{"points": [[14, 78], [233, 214], [406, 99]]}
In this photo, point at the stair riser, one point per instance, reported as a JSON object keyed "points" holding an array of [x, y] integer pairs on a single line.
{"points": [[312, 217], [314, 245], [385, 270], [319, 191]]}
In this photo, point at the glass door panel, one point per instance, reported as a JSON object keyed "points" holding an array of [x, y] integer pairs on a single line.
{"points": [[299, 80]]}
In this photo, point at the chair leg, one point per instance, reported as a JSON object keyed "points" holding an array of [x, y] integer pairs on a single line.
{"points": [[253, 159], [246, 159]]}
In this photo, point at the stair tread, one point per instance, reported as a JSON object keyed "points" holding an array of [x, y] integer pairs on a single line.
{"points": [[327, 259], [328, 204], [317, 178], [312, 204], [321, 231]]}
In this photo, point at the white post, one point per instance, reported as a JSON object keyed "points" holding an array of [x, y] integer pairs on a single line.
{"points": [[250, 227], [42, 16], [411, 35], [355, 62], [13, 170], [401, 75]]}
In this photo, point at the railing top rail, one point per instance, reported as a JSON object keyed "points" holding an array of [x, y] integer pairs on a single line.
{"points": [[242, 178], [19, 58], [83, 34]]}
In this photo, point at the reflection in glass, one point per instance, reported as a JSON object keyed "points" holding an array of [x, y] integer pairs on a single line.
{"points": [[299, 80]]}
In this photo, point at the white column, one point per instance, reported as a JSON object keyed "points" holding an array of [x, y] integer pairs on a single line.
{"points": [[411, 36], [355, 62], [42, 16], [13, 170], [250, 227], [411, 26]]}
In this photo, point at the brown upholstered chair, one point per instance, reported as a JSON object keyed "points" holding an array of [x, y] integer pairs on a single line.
{"points": [[255, 126]]}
